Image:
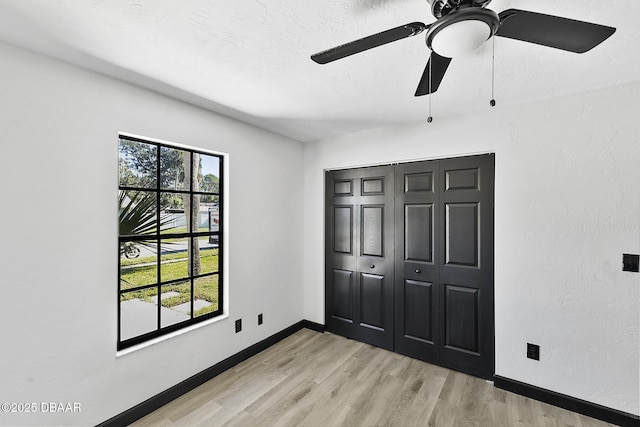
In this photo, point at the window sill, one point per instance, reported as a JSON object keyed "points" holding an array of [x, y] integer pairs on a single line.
{"points": [[162, 338]]}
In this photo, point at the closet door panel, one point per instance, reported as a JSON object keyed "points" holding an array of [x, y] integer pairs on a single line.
{"points": [[359, 254], [416, 290]]}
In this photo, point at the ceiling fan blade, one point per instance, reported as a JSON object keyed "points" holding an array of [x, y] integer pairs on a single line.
{"points": [[369, 42], [552, 31], [438, 65]]}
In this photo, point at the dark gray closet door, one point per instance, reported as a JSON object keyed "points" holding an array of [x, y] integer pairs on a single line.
{"points": [[444, 267], [359, 254], [466, 264]]}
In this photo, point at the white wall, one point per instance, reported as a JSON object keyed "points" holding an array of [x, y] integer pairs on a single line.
{"points": [[59, 128], [567, 206]]}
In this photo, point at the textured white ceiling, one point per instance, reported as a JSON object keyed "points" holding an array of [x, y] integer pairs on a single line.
{"points": [[249, 59]]}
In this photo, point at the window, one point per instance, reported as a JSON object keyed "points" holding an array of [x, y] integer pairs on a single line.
{"points": [[170, 238]]}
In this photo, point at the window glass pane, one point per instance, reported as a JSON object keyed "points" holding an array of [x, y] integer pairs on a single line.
{"points": [[137, 213], [208, 251], [209, 213], [192, 207], [209, 176], [200, 214], [176, 303], [138, 264], [206, 295], [173, 202], [210, 200], [137, 164], [138, 313], [172, 169], [174, 259], [172, 212]]}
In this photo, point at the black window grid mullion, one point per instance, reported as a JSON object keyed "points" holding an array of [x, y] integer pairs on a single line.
{"points": [[206, 193], [138, 288], [157, 240], [167, 283], [213, 273], [221, 225], [141, 237], [119, 294], [192, 241]]}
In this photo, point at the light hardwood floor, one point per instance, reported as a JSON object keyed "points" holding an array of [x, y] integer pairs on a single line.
{"points": [[314, 379]]}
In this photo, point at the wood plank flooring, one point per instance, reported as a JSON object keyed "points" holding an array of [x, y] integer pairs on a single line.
{"points": [[314, 379]]}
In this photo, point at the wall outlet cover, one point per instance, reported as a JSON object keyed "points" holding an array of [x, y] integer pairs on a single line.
{"points": [[238, 325], [533, 351], [631, 262]]}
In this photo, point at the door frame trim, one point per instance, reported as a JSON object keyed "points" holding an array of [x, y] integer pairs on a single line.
{"points": [[399, 162]]}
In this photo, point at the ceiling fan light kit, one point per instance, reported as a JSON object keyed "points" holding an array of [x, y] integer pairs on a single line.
{"points": [[462, 26], [462, 32]]}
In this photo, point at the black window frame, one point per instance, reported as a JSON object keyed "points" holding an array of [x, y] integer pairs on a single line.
{"points": [[159, 237]]}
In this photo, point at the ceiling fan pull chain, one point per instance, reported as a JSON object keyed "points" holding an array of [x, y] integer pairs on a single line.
{"points": [[430, 118], [493, 73]]}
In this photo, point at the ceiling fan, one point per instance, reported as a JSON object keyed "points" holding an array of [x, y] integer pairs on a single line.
{"points": [[462, 26]]}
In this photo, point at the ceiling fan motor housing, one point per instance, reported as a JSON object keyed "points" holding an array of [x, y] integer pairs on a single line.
{"points": [[440, 8], [463, 31]]}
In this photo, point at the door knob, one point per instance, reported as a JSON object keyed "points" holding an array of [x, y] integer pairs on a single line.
{"points": [[372, 266], [418, 271]]}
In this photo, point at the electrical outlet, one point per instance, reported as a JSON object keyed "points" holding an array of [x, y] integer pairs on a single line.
{"points": [[631, 263], [533, 351], [238, 325], [260, 319]]}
